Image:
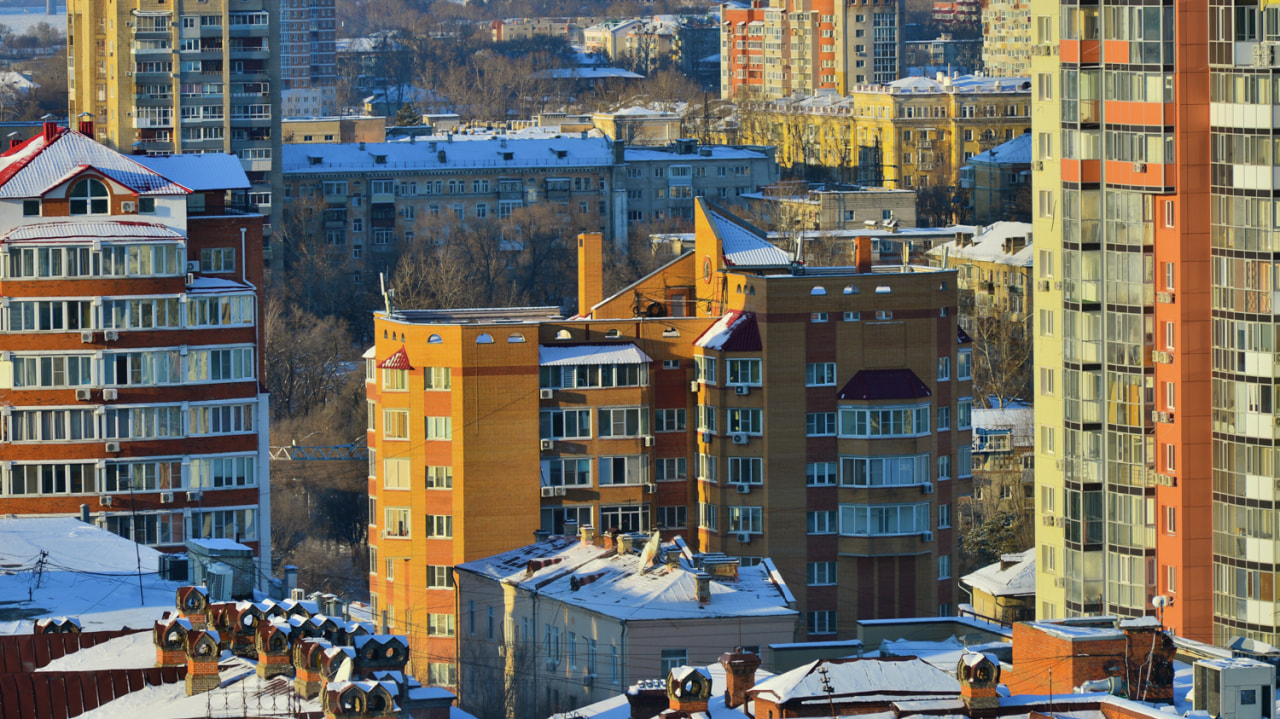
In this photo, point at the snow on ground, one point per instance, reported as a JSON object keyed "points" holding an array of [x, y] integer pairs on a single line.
{"points": [[134, 651], [88, 573]]}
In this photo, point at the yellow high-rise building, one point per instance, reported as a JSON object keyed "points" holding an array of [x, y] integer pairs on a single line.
{"points": [[189, 76]]}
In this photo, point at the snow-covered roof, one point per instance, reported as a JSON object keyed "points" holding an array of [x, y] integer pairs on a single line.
{"points": [[204, 285], [743, 245], [1013, 576], [89, 573], [38, 165], [587, 73], [618, 707], [988, 245], [111, 230], [617, 353], [1092, 628], [1014, 152], [713, 152], [1021, 420], [201, 172], [426, 156], [735, 332], [851, 678], [618, 586]]}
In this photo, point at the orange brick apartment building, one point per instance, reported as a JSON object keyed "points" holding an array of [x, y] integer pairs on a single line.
{"points": [[815, 416], [129, 340]]}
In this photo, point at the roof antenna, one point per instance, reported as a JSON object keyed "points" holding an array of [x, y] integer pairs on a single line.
{"points": [[388, 295]]}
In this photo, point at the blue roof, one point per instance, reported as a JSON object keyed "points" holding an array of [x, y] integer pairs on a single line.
{"points": [[1014, 152]]}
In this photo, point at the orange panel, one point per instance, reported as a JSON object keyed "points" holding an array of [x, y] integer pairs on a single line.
{"points": [[1090, 51], [1117, 51], [1071, 170], [1069, 50]]}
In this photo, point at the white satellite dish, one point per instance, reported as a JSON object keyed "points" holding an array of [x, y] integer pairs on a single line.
{"points": [[344, 671], [1160, 601]]}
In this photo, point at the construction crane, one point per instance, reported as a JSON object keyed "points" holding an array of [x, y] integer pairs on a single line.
{"points": [[357, 450]]}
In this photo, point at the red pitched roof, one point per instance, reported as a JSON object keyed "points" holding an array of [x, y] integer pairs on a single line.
{"points": [[877, 384], [398, 360]]}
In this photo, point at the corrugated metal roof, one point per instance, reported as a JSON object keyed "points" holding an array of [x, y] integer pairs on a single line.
{"points": [[85, 231], [877, 384], [200, 173], [551, 356], [398, 360], [217, 286], [38, 165], [744, 246]]}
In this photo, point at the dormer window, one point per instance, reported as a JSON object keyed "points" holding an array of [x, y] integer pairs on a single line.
{"points": [[90, 197]]}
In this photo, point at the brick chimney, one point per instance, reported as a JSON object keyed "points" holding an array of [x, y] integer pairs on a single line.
{"points": [[587, 534], [625, 542], [979, 677], [704, 588], [688, 690], [86, 124], [647, 698], [590, 271], [862, 254], [192, 603], [308, 679], [50, 130], [273, 651], [170, 639], [739, 675], [202, 661]]}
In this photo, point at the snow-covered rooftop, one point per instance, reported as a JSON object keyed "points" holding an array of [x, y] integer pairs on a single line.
{"points": [[200, 172], [1014, 152], [436, 155], [1013, 576], [705, 153], [92, 230], [742, 244], [617, 707], [859, 677], [617, 353], [989, 246], [39, 164], [89, 573]]}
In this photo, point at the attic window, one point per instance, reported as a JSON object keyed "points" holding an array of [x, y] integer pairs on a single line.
{"points": [[818, 290], [484, 339], [560, 154], [379, 159], [884, 290], [508, 155], [434, 340], [612, 335], [852, 290], [671, 332], [564, 335], [314, 159], [90, 197], [515, 337]]}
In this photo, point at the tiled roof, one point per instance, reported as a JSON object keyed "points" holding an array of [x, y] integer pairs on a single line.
{"points": [[877, 384], [398, 360], [735, 332], [37, 165]]}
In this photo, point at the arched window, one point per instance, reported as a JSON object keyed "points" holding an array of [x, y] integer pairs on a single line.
{"points": [[484, 339], [515, 337], [90, 197], [434, 340]]}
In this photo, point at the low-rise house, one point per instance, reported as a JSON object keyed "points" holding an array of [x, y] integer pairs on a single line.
{"points": [[1004, 591], [995, 272], [817, 206], [586, 620], [998, 182]]}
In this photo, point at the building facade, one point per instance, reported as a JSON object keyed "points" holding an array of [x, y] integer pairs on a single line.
{"points": [[833, 207], [129, 376], [308, 58], [193, 77], [662, 182], [771, 50], [911, 133], [997, 183], [1006, 38], [646, 411]]}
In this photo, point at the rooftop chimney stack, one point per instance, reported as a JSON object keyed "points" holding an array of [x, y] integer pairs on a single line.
{"points": [[740, 675], [862, 255], [570, 528], [590, 271], [704, 588], [587, 534], [625, 542]]}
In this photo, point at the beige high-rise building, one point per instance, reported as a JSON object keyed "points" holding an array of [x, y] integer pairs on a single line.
{"points": [[187, 76]]}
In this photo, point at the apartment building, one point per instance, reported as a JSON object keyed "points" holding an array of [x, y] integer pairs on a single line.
{"points": [[131, 355], [646, 411], [196, 76], [662, 182], [995, 267], [770, 49], [308, 58], [833, 207], [1006, 38], [909, 133], [997, 182]]}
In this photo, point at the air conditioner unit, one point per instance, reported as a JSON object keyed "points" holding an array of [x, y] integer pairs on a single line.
{"points": [[86, 337], [548, 445], [1039, 165], [926, 488], [1047, 521], [105, 500], [1165, 480], [741, 390], [741, 438], [193, 496], [113, 446], [191, 279], [1057, 285], [1043, 285], [1139, 167], [648, 440], [1059, 582], [926, 536], [502, 650], [84, 395], [548, 491], [111, 335], [1162, 357], [560, 491], [744, 489], [193, 266], [1061, 522], [744, 537], [1164, 297], [1165, 417], [166, 498], [694, 385], [707, 437], [650, 488], [128, 206], [110, 394], [1061, 465], [546, 393]]}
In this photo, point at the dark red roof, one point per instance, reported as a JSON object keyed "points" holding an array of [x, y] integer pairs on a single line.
{"points": [[398, 360], [876, 384], [744, 336]]}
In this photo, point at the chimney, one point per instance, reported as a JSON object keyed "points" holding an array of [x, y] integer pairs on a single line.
{"points": [[739, 675], [570, 528], [587, 534], [647, 698], [619, 152], [862, 255], [50, 129], [290, 579], [86, 126], [15, 139], [979, 678], [202, 661], [625, 542], [704, 588], [590, 271]]}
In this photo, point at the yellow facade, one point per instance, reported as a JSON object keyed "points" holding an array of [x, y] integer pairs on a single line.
{"points": [[909, 134]]}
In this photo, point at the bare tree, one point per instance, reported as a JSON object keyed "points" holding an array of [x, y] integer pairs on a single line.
{"points": [[307, 358], [1002, 354]]}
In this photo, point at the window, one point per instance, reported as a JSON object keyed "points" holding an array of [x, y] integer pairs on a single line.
{"points": [[944, 516], [439, 526], [1171, 457], [1168, 335], [437, 378], [1172, 579], [31, 208], [821, 574], [672, 659], [623, 470], [875, 520], [900, 471], [439, 427], [820, 374], [397, 522], [746, 519], [565, 424], [944, 566], [395, 379], [395, 473], [592, 376], [746, 470], [439, 576], [706, 418], [89, 197], [1171, 520], [623, 421], [669, 420], [706, 369], [822, 622], [440, 625], [439, 477], [672, 517], [625, 518], [218, 259], [667, 469], [820, 424], [1046, 381], [1046, 323], [821, 522], [1044, 203], [964, 414], [884, 421], [964, 461], [944, 418], [820, 474], [1047, 437], [1169, 274], [613, 664], [744, 372], [708, 517], [443, 674], [746, 420], [818, 317], [944, 369], [395, 424], [944, 467]]}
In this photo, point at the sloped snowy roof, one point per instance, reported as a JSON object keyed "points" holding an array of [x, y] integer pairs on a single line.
{"points": [[618, 707], [735, 332], [744, 245], [38, 164], [440, 155], [988, 246], [714, 152], [216, 286], [201, 172], [872, 678], [1019, 579], [553, 355], [1014, 152], [87, 231]]}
